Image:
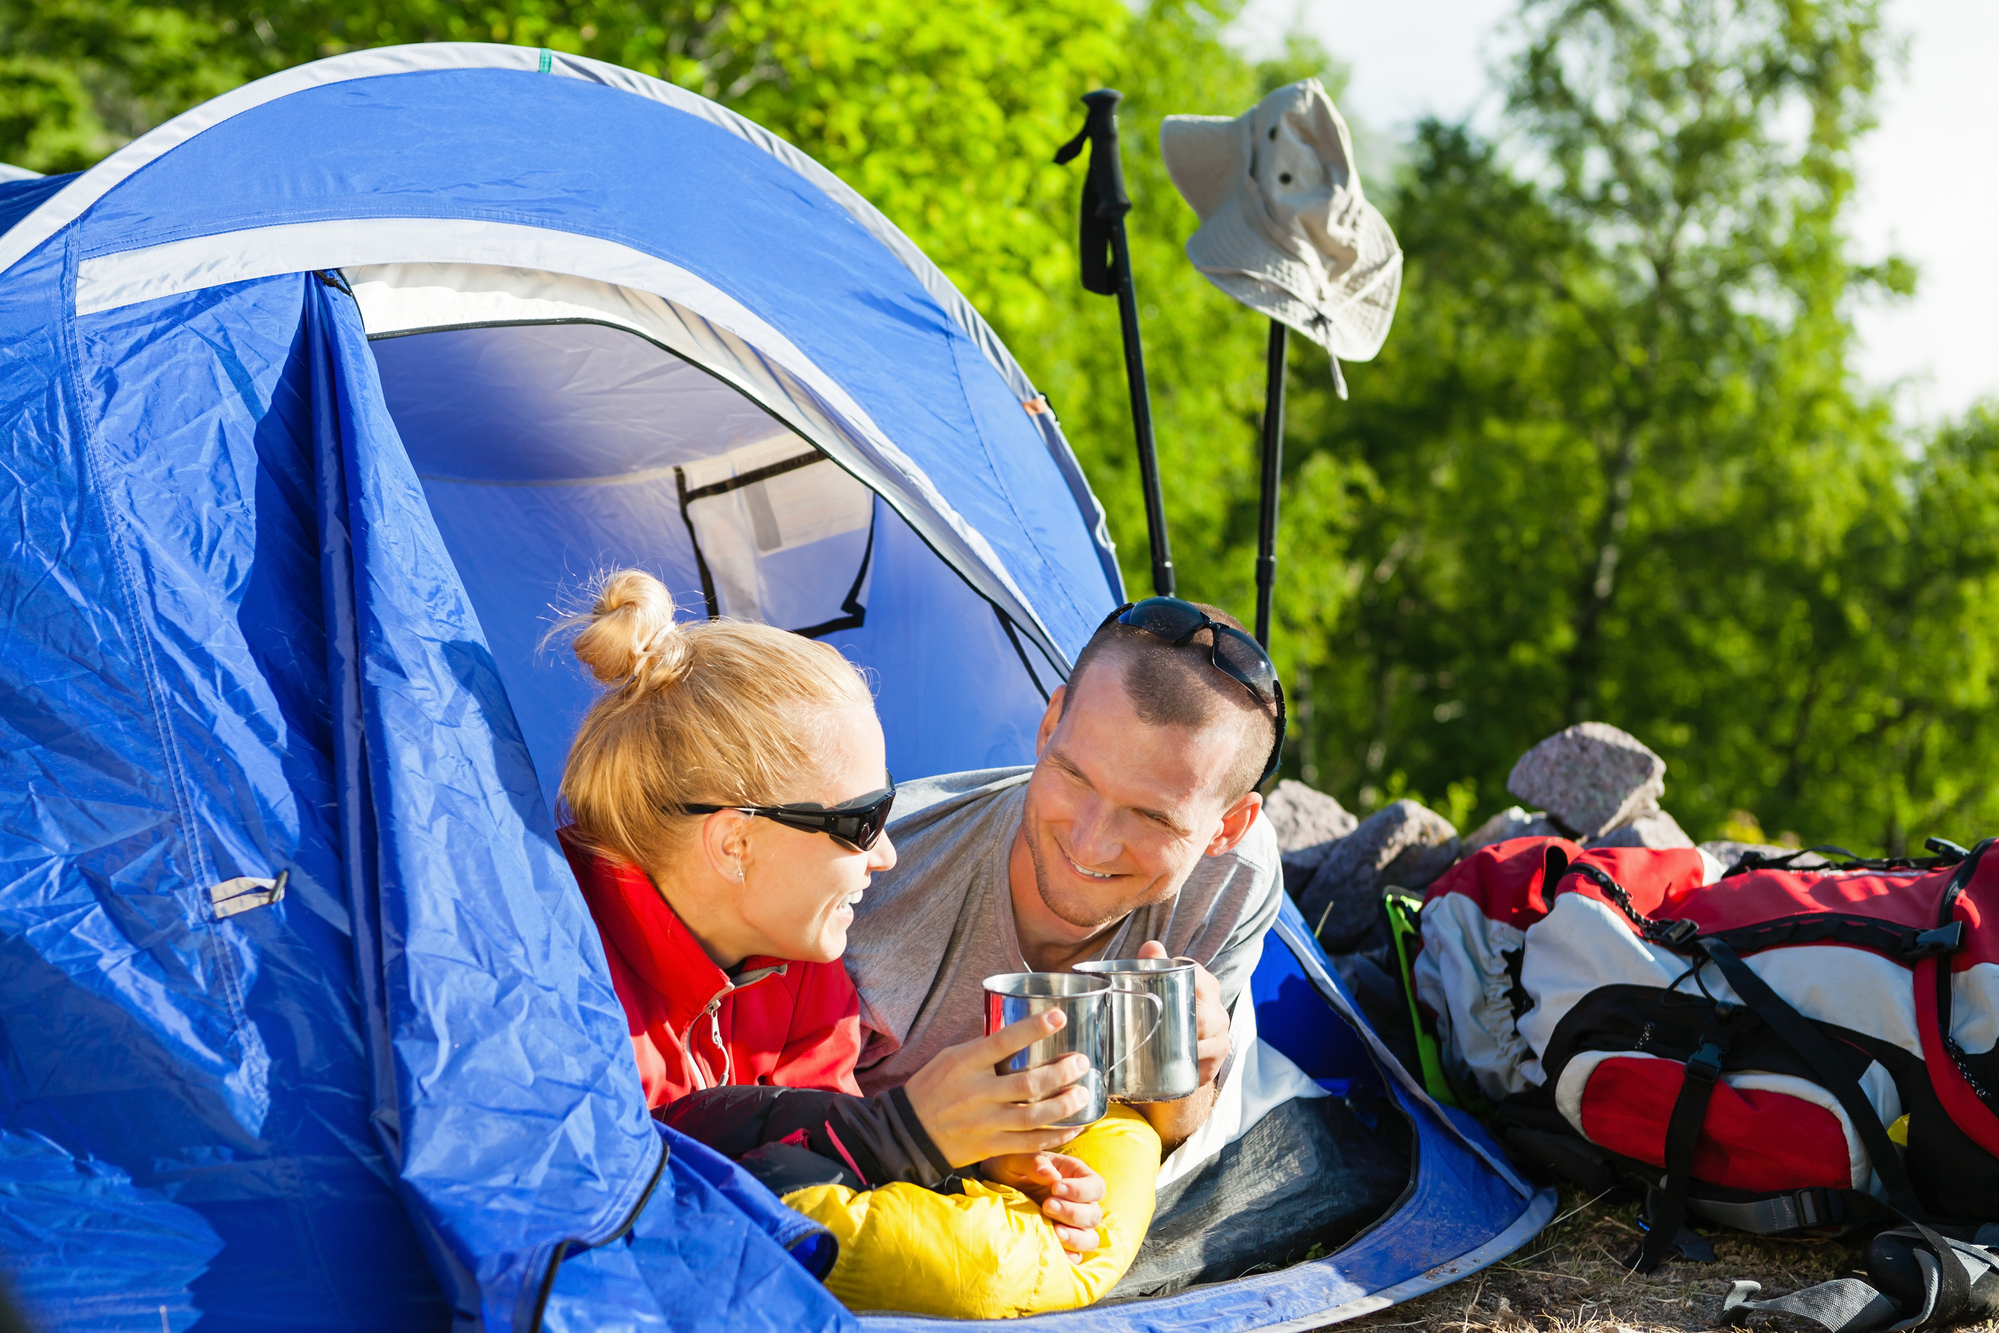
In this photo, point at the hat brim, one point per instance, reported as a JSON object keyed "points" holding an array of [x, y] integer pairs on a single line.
{"points": [[1207, 156], [1349, 316]]}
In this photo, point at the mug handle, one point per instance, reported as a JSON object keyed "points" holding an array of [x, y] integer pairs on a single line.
{"points": [[1158, 1017]]}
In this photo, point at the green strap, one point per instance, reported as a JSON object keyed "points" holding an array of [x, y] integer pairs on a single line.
{"points": [[1404, 913], [547, 61]]}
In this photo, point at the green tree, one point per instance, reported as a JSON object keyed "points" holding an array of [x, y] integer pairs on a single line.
{"points": [[1898, 713], [1621, 468]]}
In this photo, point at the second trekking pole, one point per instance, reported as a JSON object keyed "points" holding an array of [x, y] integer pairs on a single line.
{"points": [[1107, 272], [1273, 469]]}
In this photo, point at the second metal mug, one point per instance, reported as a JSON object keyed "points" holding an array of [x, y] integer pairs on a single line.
{"points": [[1164, 1064], [1085, 1002]]}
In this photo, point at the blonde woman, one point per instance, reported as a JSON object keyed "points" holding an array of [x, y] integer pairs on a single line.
{"points": [[726, 800]]}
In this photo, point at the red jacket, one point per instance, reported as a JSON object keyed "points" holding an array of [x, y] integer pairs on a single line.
{"points": [[792, 1024]]}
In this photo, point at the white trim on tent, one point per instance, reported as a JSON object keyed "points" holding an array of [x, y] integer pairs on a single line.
{"points": [[618, 284], [74, 199], [10, 172]]}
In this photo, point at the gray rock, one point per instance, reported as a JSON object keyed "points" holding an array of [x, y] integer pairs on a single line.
{"points": [[1591, 777], [1728, 853], [1307, 822], [1657, 829], [1512, 822], [1402, 845]]}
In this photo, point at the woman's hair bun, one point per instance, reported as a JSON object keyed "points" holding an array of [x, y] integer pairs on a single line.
{"points": [[629, 632]]}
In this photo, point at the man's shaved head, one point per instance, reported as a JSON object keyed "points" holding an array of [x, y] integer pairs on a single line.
{"points": [[1179, 687]]}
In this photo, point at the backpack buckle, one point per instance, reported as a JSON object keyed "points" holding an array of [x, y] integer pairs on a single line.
{"points": [[1704, 1065], [1929, 943], [1677, 933]]}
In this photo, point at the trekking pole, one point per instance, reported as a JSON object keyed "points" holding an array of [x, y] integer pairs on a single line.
{"points": [[1273, 462], [1109, 274]]}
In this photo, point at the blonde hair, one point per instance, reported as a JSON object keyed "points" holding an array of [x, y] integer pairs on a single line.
{"points": [[718, 712]]}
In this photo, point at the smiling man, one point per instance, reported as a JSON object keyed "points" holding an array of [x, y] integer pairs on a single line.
{"points": [[1134, 834]]}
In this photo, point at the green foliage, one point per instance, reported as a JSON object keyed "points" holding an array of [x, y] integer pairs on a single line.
{"points": [[1611, 463], [1621, 467]]}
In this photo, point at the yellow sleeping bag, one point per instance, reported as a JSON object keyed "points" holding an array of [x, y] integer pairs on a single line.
{"points": [[987, 1253]]}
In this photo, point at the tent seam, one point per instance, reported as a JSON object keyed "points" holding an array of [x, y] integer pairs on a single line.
{"points": [[1005, 492], [118, 529]]}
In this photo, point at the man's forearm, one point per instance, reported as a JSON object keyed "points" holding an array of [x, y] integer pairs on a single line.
{"points": [[1176, 1121]]}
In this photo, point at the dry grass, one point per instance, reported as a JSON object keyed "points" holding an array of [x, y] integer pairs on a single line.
{"points": [[1571, 1279]]}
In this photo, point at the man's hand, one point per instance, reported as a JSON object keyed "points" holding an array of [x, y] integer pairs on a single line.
{"points": [[972, 1113], [1176, 1121], [1068, 1191], [1211, 1021]]}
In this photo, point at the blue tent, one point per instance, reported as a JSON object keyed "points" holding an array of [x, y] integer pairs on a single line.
{"points": [[314, 402]]}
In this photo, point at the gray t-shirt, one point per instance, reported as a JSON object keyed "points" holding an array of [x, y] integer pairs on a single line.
{"points": [[935, 927]]}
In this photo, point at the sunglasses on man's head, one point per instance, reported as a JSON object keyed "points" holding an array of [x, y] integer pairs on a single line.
{"points": [[857, 823], [1230, 651]]}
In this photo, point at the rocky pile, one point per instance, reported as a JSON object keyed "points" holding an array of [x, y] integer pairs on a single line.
{"points": [[1591, 783]]}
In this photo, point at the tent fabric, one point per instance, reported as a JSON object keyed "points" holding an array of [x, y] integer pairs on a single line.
{"points": [[22, 195], [549, 441], [275, 614], [366, 746], [891, 386], [702, 193]]}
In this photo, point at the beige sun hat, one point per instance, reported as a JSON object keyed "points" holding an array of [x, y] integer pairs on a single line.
{"points": [[1285, 228]]}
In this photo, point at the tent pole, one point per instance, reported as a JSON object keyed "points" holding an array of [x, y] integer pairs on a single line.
{"points": [[1104, 205], [1273, 461]]}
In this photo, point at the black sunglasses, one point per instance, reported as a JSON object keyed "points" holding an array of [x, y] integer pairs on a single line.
{"points": [[858, 822], [1230, 652]]}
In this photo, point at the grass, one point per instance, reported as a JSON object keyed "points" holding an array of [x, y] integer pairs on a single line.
{"points": [[1571, 1279]]}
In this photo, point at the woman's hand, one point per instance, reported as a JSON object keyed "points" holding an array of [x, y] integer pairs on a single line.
{"points": [[1068, 1191], [972, 1113]]}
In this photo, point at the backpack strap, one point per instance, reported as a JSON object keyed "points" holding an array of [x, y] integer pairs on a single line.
{"points": [[1947, 921], [1774, 1214], [1683, 1132], [1802, 1036], [1844, 1305], [1947, 853], [1910, 1270]]}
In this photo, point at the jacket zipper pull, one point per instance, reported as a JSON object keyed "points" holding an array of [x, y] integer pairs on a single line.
{"points": [[715, 1033]]}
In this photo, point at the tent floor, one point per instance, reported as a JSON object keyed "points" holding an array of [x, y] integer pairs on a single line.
{"points": [[1305, 1180]]}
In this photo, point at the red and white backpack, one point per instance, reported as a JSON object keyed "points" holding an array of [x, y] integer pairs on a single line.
{"points": [[1768, 1048]]}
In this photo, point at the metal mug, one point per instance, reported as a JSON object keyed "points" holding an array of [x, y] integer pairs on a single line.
{"points": [[1164, 1065], [1085, 1002]]}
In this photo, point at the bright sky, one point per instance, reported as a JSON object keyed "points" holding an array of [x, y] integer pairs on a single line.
{"points": [[1921, 192]]}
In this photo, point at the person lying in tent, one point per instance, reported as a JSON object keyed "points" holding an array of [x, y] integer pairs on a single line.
{"points": [[1134, 834], [726, 799]]}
